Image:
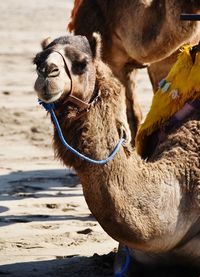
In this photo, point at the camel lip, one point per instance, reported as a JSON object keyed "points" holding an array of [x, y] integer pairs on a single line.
{"points": [[49, 98]]}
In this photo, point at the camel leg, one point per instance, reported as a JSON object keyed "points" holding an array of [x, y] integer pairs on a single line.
{"points": [[134, 113], [113, 54], [159, 70], [126, 72]]}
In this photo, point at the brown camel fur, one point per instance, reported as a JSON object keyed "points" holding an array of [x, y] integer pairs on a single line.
{"points": [[137, 33], [148, 206]]}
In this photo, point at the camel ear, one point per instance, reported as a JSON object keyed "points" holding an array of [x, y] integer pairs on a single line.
{"points": [[95, 44], [46, 42]]}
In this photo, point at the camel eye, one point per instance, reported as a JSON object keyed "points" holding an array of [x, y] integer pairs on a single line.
{"points": [[79, 67]]}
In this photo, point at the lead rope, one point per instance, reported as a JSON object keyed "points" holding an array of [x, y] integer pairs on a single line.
{"points": [[126, 264], [50, 108]]}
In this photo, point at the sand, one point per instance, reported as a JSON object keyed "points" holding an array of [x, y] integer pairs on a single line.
{"points": [[46, 228]]}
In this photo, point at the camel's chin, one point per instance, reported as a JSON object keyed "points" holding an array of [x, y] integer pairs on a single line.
{"points": [[50, 98]]}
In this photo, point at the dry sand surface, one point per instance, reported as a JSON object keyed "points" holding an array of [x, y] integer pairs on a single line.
{"points": [[46, 228]]}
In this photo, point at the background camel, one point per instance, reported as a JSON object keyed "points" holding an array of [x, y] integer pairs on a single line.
{"points": [[148, 206], [136, 34]]}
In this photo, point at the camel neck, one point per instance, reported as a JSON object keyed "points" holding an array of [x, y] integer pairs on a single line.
{"points": [[112, 190]]}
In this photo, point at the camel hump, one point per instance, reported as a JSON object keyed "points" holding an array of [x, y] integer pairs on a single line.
{"points": [[71, 25]]}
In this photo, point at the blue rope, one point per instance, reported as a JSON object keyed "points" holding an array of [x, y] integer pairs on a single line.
{"points": [[49, 107], [126, 265]]}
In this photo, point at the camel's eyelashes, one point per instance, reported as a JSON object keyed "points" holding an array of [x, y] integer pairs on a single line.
{"points": [[52, 70], [79, 67]]}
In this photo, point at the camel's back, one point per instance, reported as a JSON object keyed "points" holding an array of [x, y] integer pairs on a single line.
{"points": [[147, 30], [152, 30]]}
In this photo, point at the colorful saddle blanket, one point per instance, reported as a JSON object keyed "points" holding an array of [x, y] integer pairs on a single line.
{"points": [[181, 85]]}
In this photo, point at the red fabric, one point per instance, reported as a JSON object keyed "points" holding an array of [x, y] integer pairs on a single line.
{"points": [[77, 4]]}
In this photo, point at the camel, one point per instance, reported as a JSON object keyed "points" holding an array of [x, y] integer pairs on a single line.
{"points": [[151, 206], [137, 34]]}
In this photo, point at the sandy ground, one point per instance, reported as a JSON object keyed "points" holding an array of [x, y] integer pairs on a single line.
{"points": [[46, 228]]}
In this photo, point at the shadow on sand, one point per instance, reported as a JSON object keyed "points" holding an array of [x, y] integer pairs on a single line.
{"points": [[38, 183], [95, 266]]}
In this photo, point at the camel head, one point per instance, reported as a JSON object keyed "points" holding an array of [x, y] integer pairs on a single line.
{"points": [[66, 66]]}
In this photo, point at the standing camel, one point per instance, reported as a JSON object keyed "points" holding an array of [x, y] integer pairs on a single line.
{"points": [[152, 207], [136, 34]]}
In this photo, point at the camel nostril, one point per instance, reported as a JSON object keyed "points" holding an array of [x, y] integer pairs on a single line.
{"points": [[53, 71]]}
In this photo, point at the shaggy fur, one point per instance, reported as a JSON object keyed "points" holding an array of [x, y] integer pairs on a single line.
{"points": [[137, 33], [148, 206]]}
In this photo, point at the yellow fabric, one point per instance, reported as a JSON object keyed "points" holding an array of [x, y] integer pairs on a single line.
{"points": [[184, 79]]}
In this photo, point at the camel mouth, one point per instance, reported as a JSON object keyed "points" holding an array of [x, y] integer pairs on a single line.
{"points": [[50, 97], [51, 89]]}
